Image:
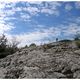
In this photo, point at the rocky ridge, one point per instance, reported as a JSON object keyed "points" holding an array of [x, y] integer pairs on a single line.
{"points": [[55, 60]]}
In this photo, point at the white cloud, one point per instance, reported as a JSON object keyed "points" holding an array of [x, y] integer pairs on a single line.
{"points": [[55, 4], [32, 10], [2, 5], [69, 30], [49, 11], [16, 9], [73, 29], [68, 7], [5, 28], [42, 36], [35, 2], [77, 4], [25, 16], [8, 1], [9, 12], [78, 20], [48, 8]]}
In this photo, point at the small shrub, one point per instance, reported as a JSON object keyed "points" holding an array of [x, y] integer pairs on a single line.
{"points": [[32, 45], [26, 46]]}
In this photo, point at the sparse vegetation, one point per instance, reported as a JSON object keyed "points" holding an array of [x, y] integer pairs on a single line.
{"points": [[7, 49], [65, 40]]}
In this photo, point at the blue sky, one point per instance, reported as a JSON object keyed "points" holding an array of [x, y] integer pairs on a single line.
{"points": [[39, 22]]}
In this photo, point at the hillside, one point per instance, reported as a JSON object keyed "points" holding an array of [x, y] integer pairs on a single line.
{"points": [[54, 60]]}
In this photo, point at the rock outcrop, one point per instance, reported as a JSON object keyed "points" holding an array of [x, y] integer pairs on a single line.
{"points": [[48, 61]]}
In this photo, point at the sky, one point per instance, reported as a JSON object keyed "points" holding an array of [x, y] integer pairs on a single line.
{"points": [[39, 21]]}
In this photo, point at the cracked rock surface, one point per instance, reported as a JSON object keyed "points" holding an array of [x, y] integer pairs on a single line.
{"points": [[49, 61]]}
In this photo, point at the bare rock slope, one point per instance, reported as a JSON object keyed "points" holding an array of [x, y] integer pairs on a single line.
{"points": [[48, 61]]}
